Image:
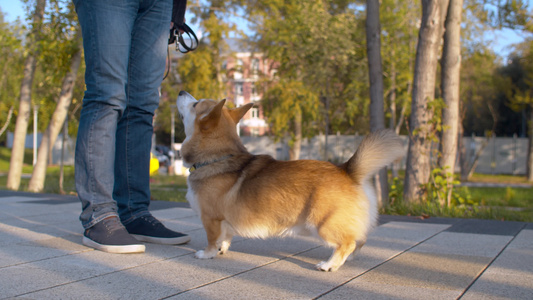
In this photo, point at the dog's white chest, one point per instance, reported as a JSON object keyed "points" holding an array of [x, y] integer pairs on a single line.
{"points": [[192, 198]]}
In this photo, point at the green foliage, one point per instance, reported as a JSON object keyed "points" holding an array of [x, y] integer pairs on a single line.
{"points": [[513, 204], [326, 56], [396, 191], [509, 194], [201, 70], [11, 52], [198, 72], [283, 101], [442, 185], [399, 39]]}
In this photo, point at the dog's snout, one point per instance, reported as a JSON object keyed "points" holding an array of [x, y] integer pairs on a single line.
{"points": [[182, 93]]}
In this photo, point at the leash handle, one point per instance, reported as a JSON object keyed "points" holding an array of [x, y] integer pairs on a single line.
{"points": [[179, 28], [181, 44]]}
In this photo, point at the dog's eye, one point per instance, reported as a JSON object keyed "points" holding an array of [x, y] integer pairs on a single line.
{"points": [[194, 105]]}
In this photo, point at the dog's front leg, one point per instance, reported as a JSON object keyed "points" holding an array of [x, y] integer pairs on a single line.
{"points": [[213, 231], [225, 237]]}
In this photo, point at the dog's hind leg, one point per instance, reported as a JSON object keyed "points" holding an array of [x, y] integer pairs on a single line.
{"points": [[339, 256], [225, 237], [213, 231], [358, 246]]}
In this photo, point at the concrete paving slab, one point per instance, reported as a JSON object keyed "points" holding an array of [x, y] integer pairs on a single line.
{"points": [[296, 277], [29, 251], [492, 227], [41, 257], [435, 271], [381, 291], [510, 276], [414, 276], [464, 244], [11, 234]]}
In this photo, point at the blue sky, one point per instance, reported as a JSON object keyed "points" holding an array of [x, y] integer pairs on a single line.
{"points": [[502, 39]]}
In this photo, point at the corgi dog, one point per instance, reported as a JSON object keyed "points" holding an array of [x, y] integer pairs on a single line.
{"points": [[256, 196]]}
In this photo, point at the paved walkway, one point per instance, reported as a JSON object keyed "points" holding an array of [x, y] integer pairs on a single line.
{"points": [[41, 257]]}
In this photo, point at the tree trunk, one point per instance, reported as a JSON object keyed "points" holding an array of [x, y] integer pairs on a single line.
{"points": [[420, 128], [62, 159], [36, 183], [530, 147], [21, 127], [451, 67], [8, 120], [294, 149], [375, 74]]}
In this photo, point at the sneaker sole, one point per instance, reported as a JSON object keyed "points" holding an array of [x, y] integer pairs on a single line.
{"points": [[164, 241], [135, 248]]}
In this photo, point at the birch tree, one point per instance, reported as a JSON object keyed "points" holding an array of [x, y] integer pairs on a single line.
{"points": [[38, 177], [375, 75], [21, 127], [451, 67], [420, 126]]}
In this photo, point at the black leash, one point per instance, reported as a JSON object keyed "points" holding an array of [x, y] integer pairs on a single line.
{"points": [[179, 28]]}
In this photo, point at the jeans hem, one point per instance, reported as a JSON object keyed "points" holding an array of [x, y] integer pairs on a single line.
{"points": [[99, 219], [137, 215]]}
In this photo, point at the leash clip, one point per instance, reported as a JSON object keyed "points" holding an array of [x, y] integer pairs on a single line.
{"points": [[176, 36]]}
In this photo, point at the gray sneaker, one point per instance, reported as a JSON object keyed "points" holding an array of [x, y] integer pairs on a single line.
{"points": [[109, 235], [149, 229]]}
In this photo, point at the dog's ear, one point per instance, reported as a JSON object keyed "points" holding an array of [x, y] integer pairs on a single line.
{"points": [[237, 113], [211, 119]]}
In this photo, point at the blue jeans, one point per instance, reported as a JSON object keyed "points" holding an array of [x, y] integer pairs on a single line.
{"points": [[125, 46]]}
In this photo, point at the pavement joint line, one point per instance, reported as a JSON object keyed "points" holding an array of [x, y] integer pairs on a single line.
{"points": [[98, 275], [490, 263], [242, 272], [89, 250], [47, 258], [73, 281], [378, 265]]}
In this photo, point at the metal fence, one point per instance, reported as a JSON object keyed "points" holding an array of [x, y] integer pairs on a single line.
{"points": [[499, 155]]}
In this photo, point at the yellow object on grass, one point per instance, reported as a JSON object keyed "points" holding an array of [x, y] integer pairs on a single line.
{"points": [[154, 164]]}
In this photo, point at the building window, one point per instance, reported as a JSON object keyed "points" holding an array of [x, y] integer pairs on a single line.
{"points": [[238, 65], [255, 66], [238, 89], [255, 113]]}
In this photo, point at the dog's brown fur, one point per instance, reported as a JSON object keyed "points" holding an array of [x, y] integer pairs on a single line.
{"points": [[235, 192]]}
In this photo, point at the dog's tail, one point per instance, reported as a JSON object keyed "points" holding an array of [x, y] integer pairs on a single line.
{"points": [[377, 150]]}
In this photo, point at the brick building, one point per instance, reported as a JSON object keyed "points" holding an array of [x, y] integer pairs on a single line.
{"points": [[243, 70]]}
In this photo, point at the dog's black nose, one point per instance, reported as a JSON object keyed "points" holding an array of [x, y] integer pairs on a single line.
{"points": [[182, 93]]}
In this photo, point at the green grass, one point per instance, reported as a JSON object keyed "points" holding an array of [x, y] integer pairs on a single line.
{"points": [[168, 188], [497, 203], [425, 210], [5, 157], [503, 197], [487, 178]]}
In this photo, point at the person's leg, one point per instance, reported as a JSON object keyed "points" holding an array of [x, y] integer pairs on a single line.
{"points": [[134, 133], [106, 30], [146, 66]]}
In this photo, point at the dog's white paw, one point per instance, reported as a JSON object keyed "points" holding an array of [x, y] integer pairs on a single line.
{"points": [[224, 246], [326, 266], [201, 254]]}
